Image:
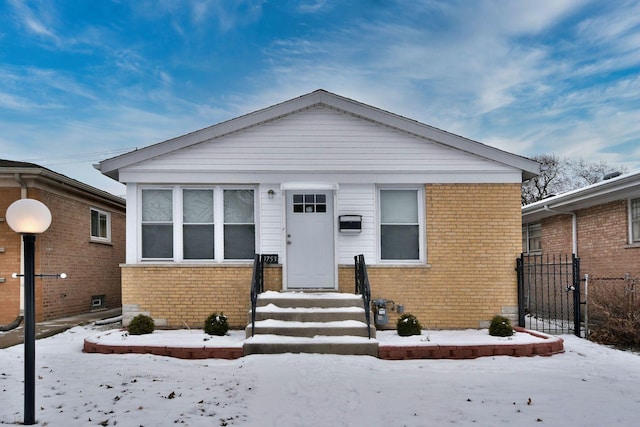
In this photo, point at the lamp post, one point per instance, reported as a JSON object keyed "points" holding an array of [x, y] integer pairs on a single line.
{"points": [[29, 217]]}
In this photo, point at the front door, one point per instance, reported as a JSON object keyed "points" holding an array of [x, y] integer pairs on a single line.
{"points": [[309, 238]]}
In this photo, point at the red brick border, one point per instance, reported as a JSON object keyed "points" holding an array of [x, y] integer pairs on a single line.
{"points": [[551, 345], [178, 352]]}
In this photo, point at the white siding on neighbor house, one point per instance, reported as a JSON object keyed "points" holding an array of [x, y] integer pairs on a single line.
{"points": [[358, 200], [318, 142]]}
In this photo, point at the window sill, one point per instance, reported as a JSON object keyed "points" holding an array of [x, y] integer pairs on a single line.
{"points": [[101, 242], [632, 246], [392, 265]]}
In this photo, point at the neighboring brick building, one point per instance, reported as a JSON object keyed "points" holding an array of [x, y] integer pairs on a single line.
{"points": [[86, 240], [599, 223], [317, 180]]}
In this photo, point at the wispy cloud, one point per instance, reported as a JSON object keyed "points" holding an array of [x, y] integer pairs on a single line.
{"points": [[39, 20]]}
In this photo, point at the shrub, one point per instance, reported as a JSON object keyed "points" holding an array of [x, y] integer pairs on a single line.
{"points": [[408, 325], [141, 325], [614, 313], [500, 327], [216, 324]]}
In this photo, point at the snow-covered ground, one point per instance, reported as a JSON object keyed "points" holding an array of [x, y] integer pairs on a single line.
{"points": [[588, 385]]}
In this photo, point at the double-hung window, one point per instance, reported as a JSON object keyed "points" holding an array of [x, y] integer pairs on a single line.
{"points": [[400, 224], [634, 219], [239, 224], [532, 238], [197, 224], [100, 225], [213, 223], [157, 224]]}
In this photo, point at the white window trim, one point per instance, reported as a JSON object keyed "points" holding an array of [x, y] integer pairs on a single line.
{"points": [[218, 219], [527, 228], [93, 238], [630, 222], [422, 244]]}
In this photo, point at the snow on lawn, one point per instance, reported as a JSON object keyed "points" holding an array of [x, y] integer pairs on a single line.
{"points": [[588, 385]]}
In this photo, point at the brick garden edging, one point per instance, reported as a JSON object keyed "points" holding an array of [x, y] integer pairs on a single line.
{"points": [[178, 352], [551, 345]]}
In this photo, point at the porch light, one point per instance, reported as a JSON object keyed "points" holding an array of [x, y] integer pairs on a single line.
{"points": [[29, 217]]}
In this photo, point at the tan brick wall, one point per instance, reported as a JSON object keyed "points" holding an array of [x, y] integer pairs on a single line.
{"points": [[179, 296], [473, 234], [473, 239]]}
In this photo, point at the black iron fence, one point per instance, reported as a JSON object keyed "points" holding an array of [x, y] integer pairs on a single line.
{"points": [[549, 293], [363, 287], [257, 287]]}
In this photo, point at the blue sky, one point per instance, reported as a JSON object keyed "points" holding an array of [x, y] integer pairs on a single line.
{"points": [[82, 81]]}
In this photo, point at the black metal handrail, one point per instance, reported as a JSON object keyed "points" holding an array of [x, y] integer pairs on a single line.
{"points": [[363, 287], [257, 287]]}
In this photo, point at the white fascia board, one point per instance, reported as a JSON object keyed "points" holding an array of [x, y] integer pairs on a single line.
{"points": [[529, 168], [324, 178]]}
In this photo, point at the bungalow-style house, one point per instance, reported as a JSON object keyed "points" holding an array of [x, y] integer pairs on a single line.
{"points": [[315, 181], [86, 240], [599, 223]]}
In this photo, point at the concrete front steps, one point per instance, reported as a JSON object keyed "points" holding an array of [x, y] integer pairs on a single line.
{"points": [[315, 322]]}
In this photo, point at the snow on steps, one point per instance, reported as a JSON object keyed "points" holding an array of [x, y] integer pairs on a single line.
{"points": [[296, 322]]}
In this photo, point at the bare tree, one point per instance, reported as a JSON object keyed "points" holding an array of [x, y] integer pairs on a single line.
{"points": [[560, 175]]}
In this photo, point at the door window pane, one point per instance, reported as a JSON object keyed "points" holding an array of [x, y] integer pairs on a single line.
{"points": [[309, 203], [399, 225]]}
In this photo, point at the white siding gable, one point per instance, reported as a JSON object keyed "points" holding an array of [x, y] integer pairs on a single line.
{"points": [[312, 144]]}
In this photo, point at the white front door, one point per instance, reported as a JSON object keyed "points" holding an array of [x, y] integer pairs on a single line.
{"points": [[309, 238]]}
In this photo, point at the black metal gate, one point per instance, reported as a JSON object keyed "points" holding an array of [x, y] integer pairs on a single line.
{"points": [[549, 293]]}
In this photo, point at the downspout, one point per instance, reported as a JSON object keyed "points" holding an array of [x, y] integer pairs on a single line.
{"points": [[23, 186], [574, 226]]}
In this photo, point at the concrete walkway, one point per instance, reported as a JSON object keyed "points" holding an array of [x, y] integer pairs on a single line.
{"points": [[51, 327]]}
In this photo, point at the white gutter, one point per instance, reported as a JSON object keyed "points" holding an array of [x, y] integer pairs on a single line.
{"points": [[574, 226]]}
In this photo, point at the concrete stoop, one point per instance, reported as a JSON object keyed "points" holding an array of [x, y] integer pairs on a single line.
{"points": [[296, 322]]}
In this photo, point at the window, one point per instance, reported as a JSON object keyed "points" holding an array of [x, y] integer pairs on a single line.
{"points": [[239, 225], [198, 225], [635, 220], [100, 225], [157, 224], [210, 224], [399, 225], [309, 203], [532, 238]]}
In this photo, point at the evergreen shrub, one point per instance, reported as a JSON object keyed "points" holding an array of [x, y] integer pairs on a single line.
{"points": [[141, 325], [408, 325]]}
